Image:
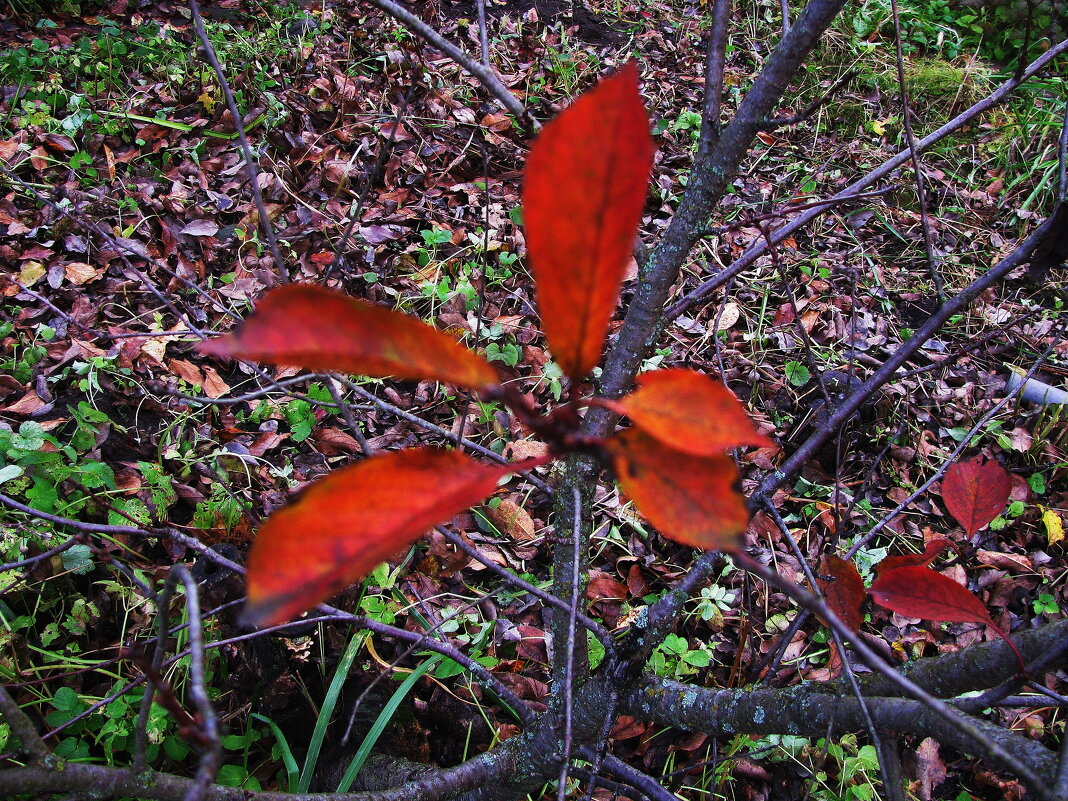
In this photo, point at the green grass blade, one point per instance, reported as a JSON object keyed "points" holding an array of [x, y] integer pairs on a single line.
{"points": [[383, 719], [327, 711], [292, 769]]}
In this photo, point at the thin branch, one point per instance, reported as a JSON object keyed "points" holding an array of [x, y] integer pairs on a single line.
{"points": [[757, 249], [251, 170], [714, 66], [921, 189], [485, 75], [813, 107], [599, 631], [886, 519]]}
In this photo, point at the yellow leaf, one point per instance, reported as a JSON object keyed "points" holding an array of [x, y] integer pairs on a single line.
{"points": [[1054, 526]]}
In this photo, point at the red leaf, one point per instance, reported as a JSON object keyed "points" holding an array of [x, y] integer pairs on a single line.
{"points": [[689, 412], [975, 492], [339, 529], [583, 193], [303, 325], [690, 499], [916, 591], [930, 552], [843, 590]]}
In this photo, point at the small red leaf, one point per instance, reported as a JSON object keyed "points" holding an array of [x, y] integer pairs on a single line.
{"points": [[843, 589], [583, 192], [339, 529], [302, 325], [917, 591], [930, 553], [689, 412], [975, 492], [690, 499]]}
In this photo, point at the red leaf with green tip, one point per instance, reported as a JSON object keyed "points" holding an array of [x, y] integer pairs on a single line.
{"points": [[917, 591], [842, 589], [583, 192], [339, 529], [690, 499], [302, 325], [690, 412], [975, 492]]}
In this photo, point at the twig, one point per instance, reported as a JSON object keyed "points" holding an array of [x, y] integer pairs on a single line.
{"points": [[350, 419], [251, 170], [813, 107], [757, 249], [441, 432], [921, 189], [599, 631], [485, 75], [1062, 158]]}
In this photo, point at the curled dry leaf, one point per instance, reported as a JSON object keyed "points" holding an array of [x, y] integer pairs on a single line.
{"points": [[975, 492], [690, 412], [339, 529], [583, 192], [302, 325], [690, 499]]}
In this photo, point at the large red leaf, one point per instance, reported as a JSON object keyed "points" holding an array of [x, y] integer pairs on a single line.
{"points": [[842, 588], [339, 529], [689, 412], [917, 591], [975, 492], [583, 192], [303, 325], [690, 499]]}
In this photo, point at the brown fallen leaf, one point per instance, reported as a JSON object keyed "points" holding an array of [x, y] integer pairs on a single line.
{"points": [[79, 273], [512, 519]]}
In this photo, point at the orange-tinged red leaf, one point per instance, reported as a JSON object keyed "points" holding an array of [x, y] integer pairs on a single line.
{"points": [[917, 591], [842, 589], [583, 193], [690, 499], [339, 529], [689, 412], [975, 492], [302, 325]]}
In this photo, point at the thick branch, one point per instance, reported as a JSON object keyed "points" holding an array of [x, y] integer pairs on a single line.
{"points": [[808, 709]]}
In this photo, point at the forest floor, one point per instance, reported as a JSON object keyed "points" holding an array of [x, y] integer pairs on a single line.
{"points": [[128, 233]]}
